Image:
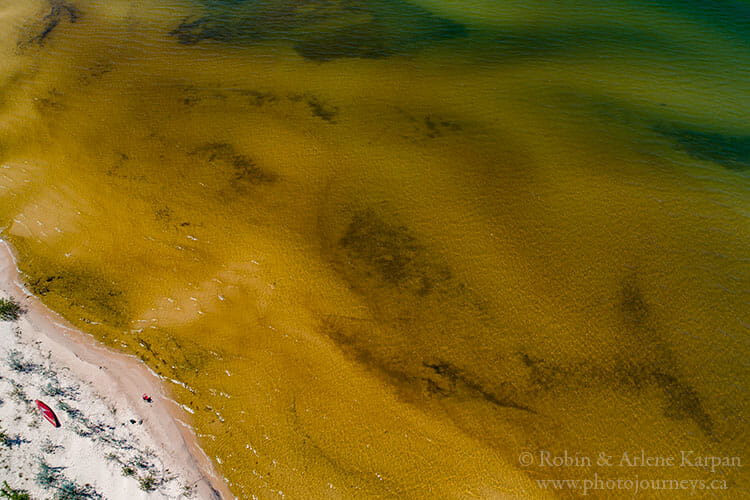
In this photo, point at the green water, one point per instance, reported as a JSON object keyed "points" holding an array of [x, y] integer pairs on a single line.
{"points": [[385, 247]]}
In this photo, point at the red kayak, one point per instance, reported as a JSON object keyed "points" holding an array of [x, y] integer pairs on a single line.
{"points": [[48, 413]]}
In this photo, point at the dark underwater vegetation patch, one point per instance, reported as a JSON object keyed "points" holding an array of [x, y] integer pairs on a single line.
{"points": [[429, 126], [683, 401], [509, 43], [59, 11], [244, 169], [192, 31], [321, 30], [165, 352], [121, 168], [389, 249], [324, 111], [730, 151], [317, 106], [52, 101], [366, 41], [415, 377], [258, 98], [654, 366], [407, 286], [632, 304], [96, 70], [730, 17], [84, 289], [447, 379], [392, 253]]}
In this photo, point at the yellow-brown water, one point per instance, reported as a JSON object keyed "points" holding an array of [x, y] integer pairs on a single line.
{"points": [[385, 273]]}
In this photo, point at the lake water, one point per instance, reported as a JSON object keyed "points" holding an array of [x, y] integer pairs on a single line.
{"points": [[383, 247]]}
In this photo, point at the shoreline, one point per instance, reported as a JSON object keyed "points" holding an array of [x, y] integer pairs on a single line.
{"points": [[119, 378]]}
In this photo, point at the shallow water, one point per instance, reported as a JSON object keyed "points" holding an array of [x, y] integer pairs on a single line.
{"points": [[383, 247]]}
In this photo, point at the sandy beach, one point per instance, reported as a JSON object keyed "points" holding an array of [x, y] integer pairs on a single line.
{"points": [[111, 443]]}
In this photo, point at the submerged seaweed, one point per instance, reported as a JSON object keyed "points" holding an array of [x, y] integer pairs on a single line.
{"points": [[244, 169], [728, 150], [731, 150], [321, 30], [654, 365], [393, 253], [417, 378], [321, 110], [59, 11]]}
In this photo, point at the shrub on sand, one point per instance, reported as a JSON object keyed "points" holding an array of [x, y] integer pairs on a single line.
{"points": [[18, 363], [49, 447], [48, 476], [10, 310], [18, 393], [12, 494], [148, 483], [11, 441], [70, 490], [51, 477]]}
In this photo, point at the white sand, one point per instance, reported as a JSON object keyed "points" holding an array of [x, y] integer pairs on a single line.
{"points": [[96, 394]]}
